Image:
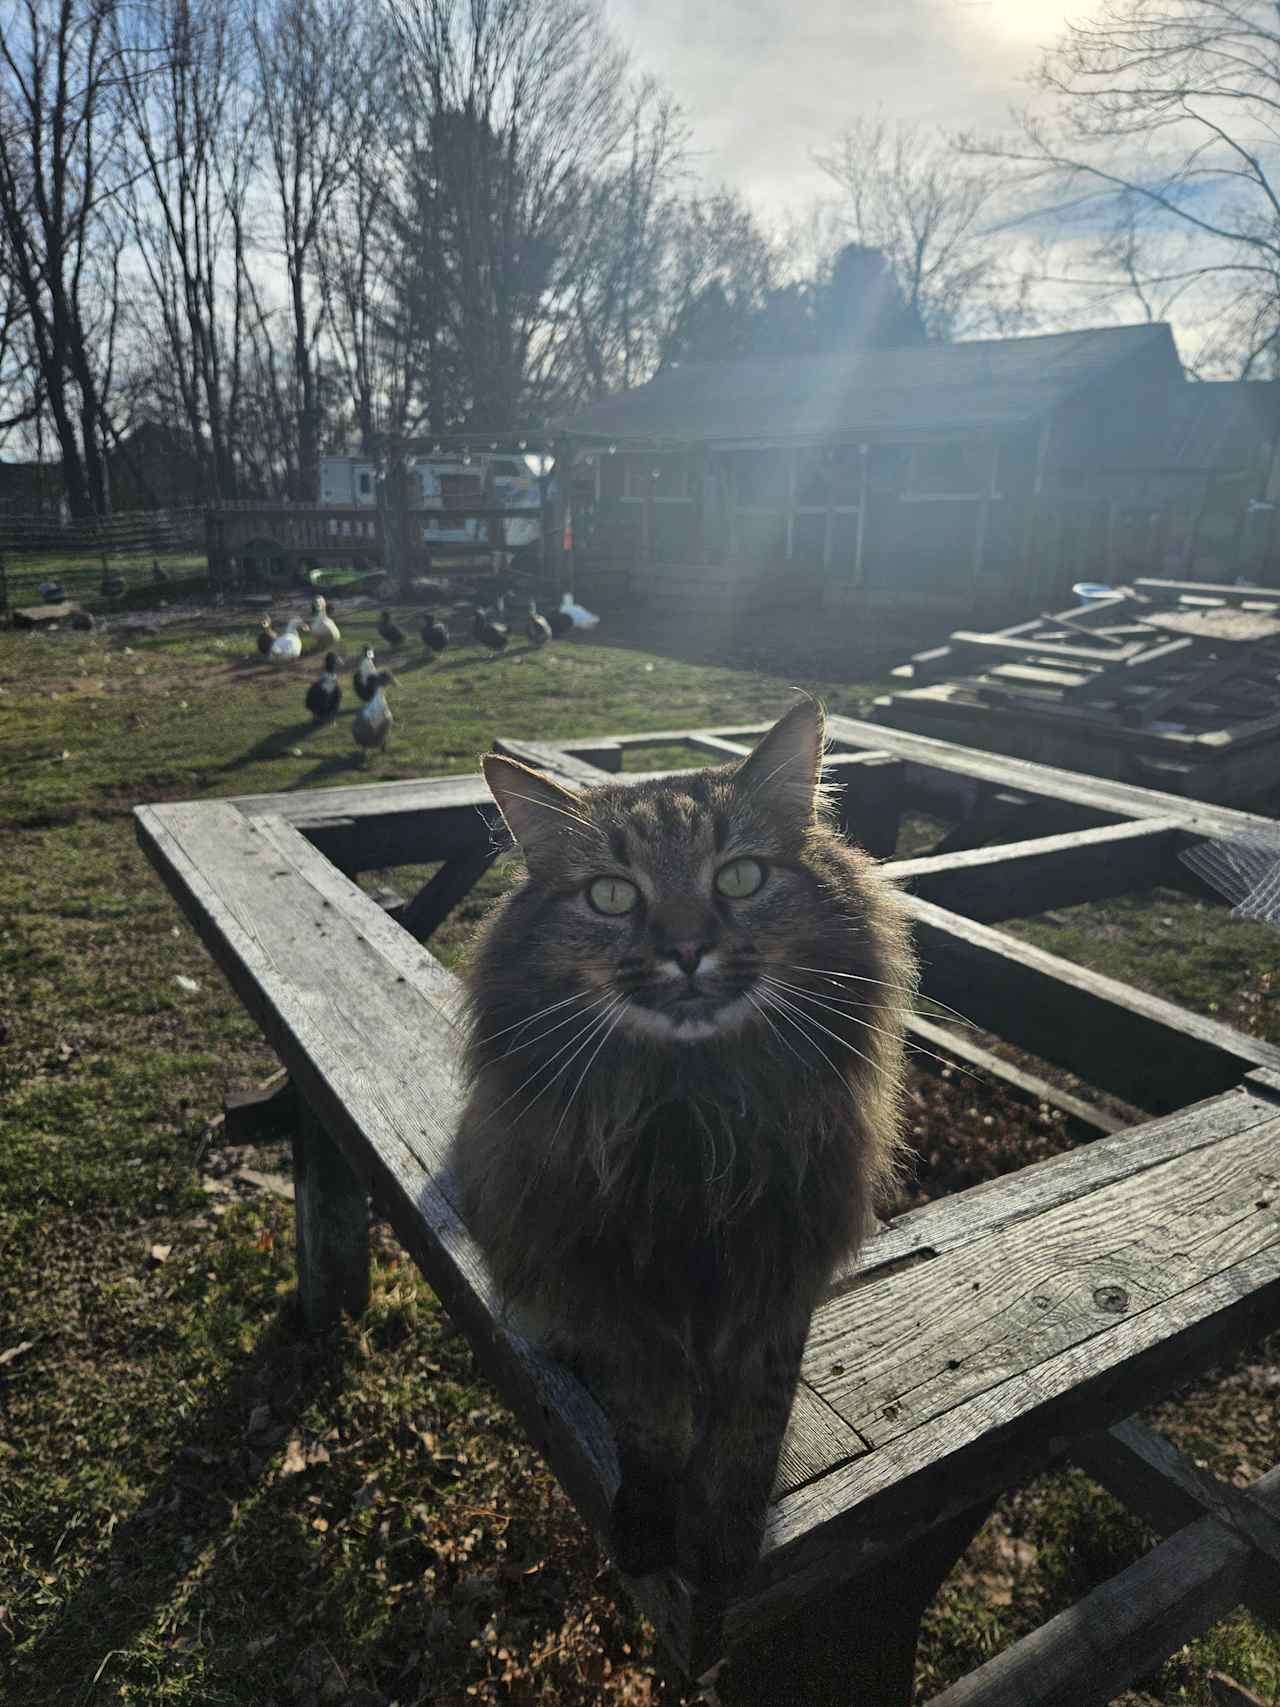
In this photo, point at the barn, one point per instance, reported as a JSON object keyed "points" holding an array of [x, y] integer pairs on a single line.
{"points": [[975, 479]]}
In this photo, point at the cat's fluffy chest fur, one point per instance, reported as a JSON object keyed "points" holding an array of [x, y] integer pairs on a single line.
{"points": [[686, 1059]]}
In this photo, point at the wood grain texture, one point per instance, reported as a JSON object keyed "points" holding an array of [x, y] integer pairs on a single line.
{"points": [[897, 1353]]}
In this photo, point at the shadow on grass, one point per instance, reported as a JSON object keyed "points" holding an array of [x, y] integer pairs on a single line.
{"points": [[276, 744], [223, 1464]]}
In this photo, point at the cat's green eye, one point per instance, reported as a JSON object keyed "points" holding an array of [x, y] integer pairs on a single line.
{"points": [[740, 878], [613, 896]]}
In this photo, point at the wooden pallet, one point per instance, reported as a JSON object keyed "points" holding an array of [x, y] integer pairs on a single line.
{"points": [[1172, 677], [984, 1337]]}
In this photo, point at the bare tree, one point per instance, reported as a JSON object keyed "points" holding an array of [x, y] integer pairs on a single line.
{"points": [[1165, 123], [522, 101], [59, 165], [318, 86], [617, 270], [928, 210], [190, 129]]}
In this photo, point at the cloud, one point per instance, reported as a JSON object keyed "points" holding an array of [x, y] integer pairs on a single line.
{"points": [[763, 85]]}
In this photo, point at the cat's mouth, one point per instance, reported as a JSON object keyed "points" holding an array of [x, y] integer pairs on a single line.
{"points": [[688, 1015]]}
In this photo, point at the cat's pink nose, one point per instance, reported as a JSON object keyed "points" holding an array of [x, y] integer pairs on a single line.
{"points": [[688, 955]]}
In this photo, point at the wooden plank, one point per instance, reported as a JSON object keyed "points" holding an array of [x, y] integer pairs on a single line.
{"points": [[1171, 591], [1233, 627], [373, 826], [1214, 672], [1148, 1474], [897, 1354], [1083, 1119], [949, 1222], [331, 1206], [1145, 1050], [1028, 648], [926, 753], [868, 798], [1130, 1624], [721, 748], [1016, 879], [1151, 661], [456, 878], [1034, 678], [1011, 1428]]}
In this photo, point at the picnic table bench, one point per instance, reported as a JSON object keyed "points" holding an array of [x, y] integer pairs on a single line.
{"points": [[982, 1338]]}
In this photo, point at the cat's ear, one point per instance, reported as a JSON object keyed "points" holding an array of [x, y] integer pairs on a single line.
{"points": [[537, 810], [782, 774]]}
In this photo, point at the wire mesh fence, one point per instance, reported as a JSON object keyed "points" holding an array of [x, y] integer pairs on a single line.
{"points": [[44, 559]]}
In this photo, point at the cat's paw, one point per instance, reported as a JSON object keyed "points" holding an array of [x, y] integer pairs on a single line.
{"points": [[642, 1530]]}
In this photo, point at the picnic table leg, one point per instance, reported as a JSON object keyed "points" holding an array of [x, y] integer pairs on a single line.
{"points": [[332, 1212], [855, 1647]]}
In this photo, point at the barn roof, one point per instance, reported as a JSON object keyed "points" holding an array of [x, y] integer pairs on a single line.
{"points": [[922, 392]]}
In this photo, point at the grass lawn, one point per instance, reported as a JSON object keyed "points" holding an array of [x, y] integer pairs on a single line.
{"points": [[197, 1506]]}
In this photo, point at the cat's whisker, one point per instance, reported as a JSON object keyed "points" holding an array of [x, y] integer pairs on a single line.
{"points": [[617, 1011], [520, 1024], [539, 1037], [773, 1028], [835, 1036], [904, 989], [592, 1030], [919, 1048], [782, 1012], [542, 1066]]}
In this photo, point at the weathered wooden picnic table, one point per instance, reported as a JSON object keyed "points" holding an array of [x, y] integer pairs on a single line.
{"points": [[984, 1337]]}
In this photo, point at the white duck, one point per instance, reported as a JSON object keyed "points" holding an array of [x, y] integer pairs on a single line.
{"points": [[582, 617], [288, 645], [323, 626]]}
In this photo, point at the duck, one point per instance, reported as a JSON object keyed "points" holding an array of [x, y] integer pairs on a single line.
{"points": [[560, 623], [323, 626], [160, 576], [579, 615], [52, 592], [489, 633], [372, 723], [113, 586], [434, 633], [363, 675], [537, 627], [267, 637], [393, 635], [324, 696], [288, 646]]}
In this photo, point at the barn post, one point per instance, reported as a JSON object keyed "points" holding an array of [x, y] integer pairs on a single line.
{"points": [[562, 559]]}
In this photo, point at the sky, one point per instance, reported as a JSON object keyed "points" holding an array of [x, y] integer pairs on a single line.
{"points": [[764, 83]]}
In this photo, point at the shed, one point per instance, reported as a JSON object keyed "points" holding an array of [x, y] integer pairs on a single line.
{"points": [[944, 478]]}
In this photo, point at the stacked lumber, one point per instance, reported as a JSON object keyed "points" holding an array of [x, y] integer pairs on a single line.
{"points": [[1169, 656]]}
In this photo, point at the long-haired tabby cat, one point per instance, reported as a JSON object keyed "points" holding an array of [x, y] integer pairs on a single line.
{"points": [[685, 1066]]}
